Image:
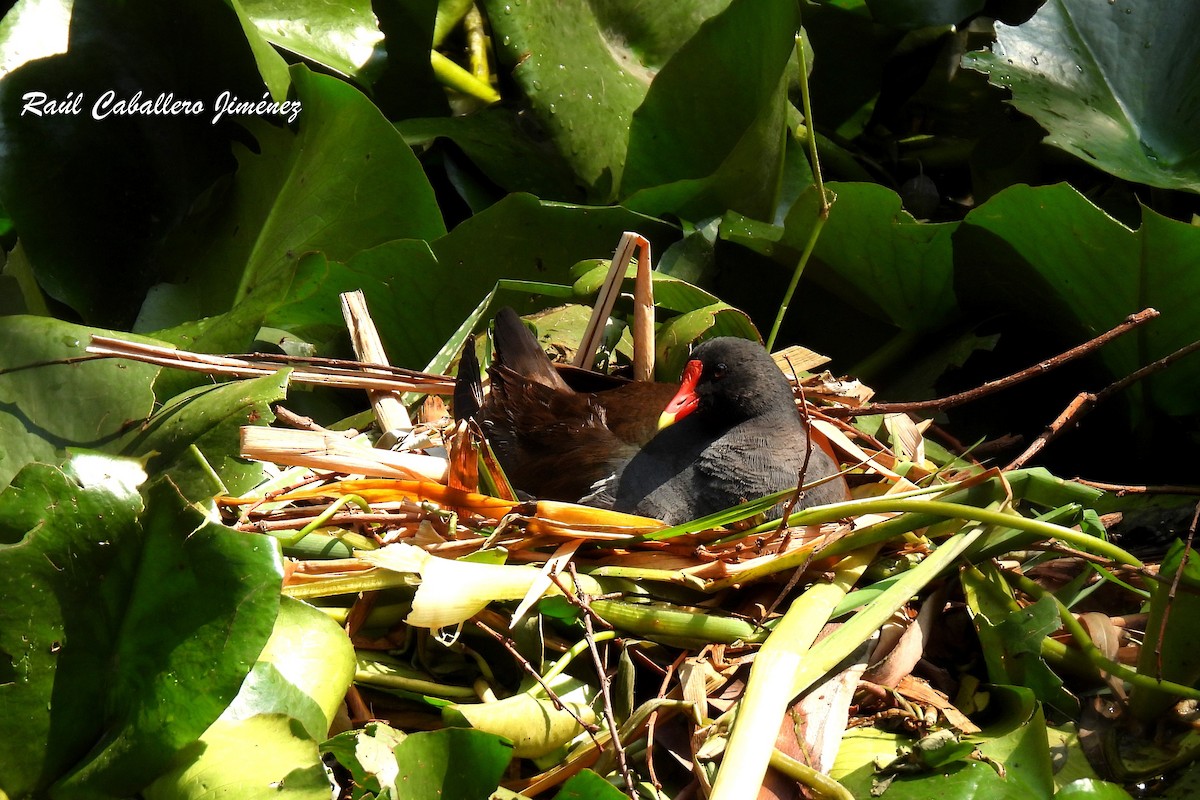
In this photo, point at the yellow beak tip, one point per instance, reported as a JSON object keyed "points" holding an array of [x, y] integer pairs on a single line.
{"points": [[665, 419]]}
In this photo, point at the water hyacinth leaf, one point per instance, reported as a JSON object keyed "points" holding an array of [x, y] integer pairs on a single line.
{"points": [[97, 526], [309, 652], [99, 397], [1169, 652], [265, 756], [913, 14], [498, 144], [399, 279], [1018, 739], [1052, 256], [1116, 84], [1013, 636], [674, 338], [586, 66], [588, 785], [341, 36], [139, 625], [1096, 789]]}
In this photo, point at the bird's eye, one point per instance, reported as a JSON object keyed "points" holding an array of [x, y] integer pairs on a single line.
{"points": [[718, 371]]}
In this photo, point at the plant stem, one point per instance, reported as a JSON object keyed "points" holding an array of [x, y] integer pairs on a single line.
{"points": [[823, 199]]}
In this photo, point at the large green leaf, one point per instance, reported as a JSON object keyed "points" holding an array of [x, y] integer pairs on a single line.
{"points": [[93, 199], [585, 66], [345, 182], [125, 632], [880, 258], [341, 36], [499, 144], [95, 399], [266, 740], [1050, 255], [712, 139], [1116, 83]]}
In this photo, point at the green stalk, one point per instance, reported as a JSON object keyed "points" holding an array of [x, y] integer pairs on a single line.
{"points": [[824, 199], [660, 622], [819, 782], [451, 74], [565, 660], [389, 675], [372, 581], [1092, 652]]}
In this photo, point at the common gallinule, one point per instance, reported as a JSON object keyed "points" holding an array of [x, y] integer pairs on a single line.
{"points": [[737, 436], [554, 441]]}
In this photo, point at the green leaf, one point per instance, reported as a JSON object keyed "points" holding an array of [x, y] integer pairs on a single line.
{"points": [[341, 36], [1049, 254], [1012, 636], [399, 279], [1018, 740], [913, 14], [1116, 84], [710, 139], [587, 785], [1169, 651], [209, 419], [1094, 789], [536, 726], [497, 142], [124, 633], [104, 395], [585, 67], [431, 764], [345, 182], [266, 740], [880, 259], [94, 199], [265, 756]]}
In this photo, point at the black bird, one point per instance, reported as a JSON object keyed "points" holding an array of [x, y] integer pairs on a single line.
{"points": [[737, 436]]}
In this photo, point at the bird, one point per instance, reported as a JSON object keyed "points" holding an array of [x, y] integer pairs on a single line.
{"points": [[732, 431], [734, 435], [556, 441]]}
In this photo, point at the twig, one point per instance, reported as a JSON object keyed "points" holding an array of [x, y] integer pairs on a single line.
{"points": [[605, 689], [1084, 402], [1122, 488], [1175, 579], [329, 372], [507, 643], [652, 720], [1040, 368]]}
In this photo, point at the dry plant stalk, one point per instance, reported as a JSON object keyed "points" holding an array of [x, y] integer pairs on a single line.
{"points": [[317, 372], [335, 453], [390, 412]]}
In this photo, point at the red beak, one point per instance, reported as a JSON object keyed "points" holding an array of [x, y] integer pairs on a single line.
{"points": [[685, 400]]}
